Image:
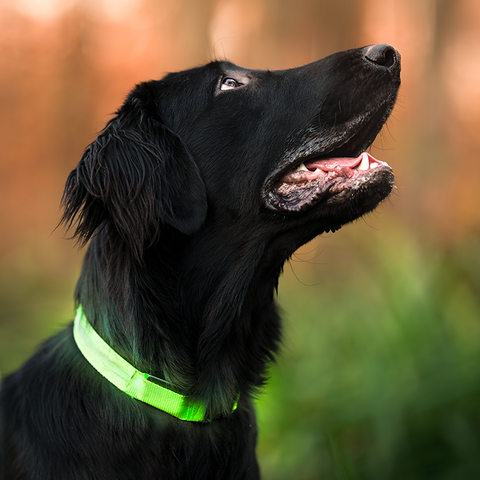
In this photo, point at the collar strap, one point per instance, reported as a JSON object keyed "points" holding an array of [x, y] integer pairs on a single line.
{"points": [[127, 378]]}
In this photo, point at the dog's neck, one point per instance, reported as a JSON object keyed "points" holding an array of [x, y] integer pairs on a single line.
{"points": [[213, 346]]}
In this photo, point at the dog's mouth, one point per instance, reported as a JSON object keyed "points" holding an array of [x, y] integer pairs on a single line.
{"points": [[347, 173], [310, 182]]}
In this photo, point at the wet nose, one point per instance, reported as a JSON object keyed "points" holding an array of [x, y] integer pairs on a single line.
{"points": [[384, 55]]}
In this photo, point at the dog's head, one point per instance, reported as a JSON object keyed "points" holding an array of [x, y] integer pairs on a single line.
{"points": [[200, 188], [220, 143]]}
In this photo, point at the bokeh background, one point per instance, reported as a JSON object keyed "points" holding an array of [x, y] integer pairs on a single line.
{"points": [[380, 375]]}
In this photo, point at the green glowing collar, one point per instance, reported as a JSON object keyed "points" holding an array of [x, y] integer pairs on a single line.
{"points": [[127, 378]]}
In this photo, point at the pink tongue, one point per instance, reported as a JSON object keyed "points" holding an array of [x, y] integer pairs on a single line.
{"points": [[346, 166], [329, 164]]}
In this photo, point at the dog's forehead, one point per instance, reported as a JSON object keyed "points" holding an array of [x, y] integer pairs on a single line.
{"points": [[230, 69]]}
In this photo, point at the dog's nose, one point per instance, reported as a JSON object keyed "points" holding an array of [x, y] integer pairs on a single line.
{"points": [[383, 55]]}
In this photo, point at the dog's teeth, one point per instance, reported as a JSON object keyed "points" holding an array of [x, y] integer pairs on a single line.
{"points": [[365, 163], [301, 168]]}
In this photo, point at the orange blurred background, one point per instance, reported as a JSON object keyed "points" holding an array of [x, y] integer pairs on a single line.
{"points": [[67, 65]]}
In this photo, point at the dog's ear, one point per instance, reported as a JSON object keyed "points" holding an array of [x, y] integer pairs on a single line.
{"points": [[134, 178]]}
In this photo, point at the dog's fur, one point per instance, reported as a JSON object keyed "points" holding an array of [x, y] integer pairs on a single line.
{"points": [[189, 229]]}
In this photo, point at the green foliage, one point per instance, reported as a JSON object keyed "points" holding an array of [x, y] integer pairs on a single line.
{"points": [[36, 298], [381, 375]]}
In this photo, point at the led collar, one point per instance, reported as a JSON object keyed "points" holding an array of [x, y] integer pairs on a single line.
{"points": [[127, 378]]}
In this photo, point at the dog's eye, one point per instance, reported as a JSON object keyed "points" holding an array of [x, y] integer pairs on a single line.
{"points": [[229, 84]]}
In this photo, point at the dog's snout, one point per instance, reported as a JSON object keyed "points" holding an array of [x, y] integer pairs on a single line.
{"points": [[384, 55]]}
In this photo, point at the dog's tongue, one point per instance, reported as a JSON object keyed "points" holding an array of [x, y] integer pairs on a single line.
{"points": [[314, 169], [363, 162]]}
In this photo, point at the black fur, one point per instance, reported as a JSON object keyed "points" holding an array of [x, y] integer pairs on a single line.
{"points": [[188, 236]]}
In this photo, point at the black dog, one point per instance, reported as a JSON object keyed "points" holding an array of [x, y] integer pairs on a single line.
{"points": [[193, 197]]}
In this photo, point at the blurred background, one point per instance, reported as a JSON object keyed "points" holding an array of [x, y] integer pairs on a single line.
{"points": [[380, 374]]}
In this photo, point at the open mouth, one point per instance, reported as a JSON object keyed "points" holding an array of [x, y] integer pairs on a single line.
{"points": [[316, 169], [342, 175], [323, 179], [310, 182]]}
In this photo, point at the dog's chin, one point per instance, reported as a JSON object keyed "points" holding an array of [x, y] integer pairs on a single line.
{"points": [[348, 187]]}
